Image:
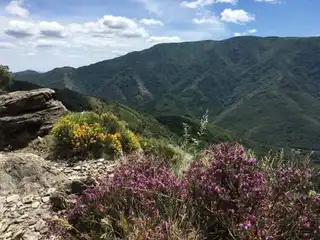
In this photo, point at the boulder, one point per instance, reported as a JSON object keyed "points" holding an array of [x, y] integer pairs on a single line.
{"points": [[26, 115], [25, 173]]}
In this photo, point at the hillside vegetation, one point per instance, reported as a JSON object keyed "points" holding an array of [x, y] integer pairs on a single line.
{"points": [[169, 127], [264, 89]]}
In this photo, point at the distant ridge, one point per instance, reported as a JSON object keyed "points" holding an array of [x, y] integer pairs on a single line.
{"points": [[263, 88]]}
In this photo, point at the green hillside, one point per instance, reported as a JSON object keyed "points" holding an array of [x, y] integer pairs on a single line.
{"points": [[265, 89], [169, 128]]}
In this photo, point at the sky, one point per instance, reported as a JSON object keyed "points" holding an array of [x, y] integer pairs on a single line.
{"points": [[44, 34]]}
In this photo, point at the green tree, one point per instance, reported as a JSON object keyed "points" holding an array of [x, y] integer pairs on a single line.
{"points": [[5, 77]]}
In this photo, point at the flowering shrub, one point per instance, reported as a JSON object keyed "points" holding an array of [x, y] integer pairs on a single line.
{"points": [[143, 193], [227, 189], [90, 133], [227, 194]]}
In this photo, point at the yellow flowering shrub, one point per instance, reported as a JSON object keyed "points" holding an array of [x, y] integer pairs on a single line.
{"points": [[130, 141], [94, 134]]}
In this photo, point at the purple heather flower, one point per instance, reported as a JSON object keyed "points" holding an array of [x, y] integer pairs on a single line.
{"points": [[252, 160]]}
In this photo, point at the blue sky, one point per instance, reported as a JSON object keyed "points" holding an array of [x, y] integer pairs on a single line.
{"points": [[44, 34]]}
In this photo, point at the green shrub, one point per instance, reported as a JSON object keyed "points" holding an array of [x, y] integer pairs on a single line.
{"points": [[5, 77], [173, 155], [93, 134]]}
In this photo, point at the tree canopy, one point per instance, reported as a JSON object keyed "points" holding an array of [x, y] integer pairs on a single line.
{"points": [[5, 77]]}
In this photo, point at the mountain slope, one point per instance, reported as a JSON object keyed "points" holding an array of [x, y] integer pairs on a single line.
{"points": [[138, 121], [266, 89]]}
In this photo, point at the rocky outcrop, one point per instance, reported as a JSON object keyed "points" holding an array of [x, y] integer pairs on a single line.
{"points": [[26, 115], [32, 187]]}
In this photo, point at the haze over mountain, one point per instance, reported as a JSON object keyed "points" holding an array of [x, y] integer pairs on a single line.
{"points": [[266, 89]]}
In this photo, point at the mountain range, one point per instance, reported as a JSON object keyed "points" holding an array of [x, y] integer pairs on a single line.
{"points": [[264, 89]]}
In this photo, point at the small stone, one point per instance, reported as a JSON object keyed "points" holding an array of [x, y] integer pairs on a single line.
{"points": [[15, 215], [7, 234], [13, 198], [37, 198], [31, 236], [40, 225], [35, 204], [13, 208], [68, 170], [77, 168], [24, 216], [46, 199], [4, 226], [27, 199], [51, 190], [32, 221]]}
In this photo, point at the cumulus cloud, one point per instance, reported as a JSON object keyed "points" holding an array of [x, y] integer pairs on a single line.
{"points": [[248, 32], [151, 21], [118, 22], [20, 29], [52, 29], [203, 3], [108, 26], [163, 39], [15, 8], [238, 16], [112, 26]]}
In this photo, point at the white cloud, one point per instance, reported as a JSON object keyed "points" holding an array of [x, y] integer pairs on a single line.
{"points": [[203, 3], [248, 32], [118, 52], [110, 25], [252, 31], [163, 39], [118, 22], [20, 29], [47, 43], [206, 20], [64, 39], [151, 21], [227, 1], [6, 45], [238, 16], [52, 29], [15, 8], [269, 1]]}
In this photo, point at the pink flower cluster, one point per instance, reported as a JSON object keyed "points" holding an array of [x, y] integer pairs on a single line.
{"points": [[225, 195]]}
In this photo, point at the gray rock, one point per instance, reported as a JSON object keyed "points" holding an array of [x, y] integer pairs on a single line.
{"points": [[46, 199], [4, 225], [35, 204], [25, 115], [51, 190], [77, 168], [7, 234], [18, 234], [13, 198], [24, 173], [27, 199], [40, 225]]}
